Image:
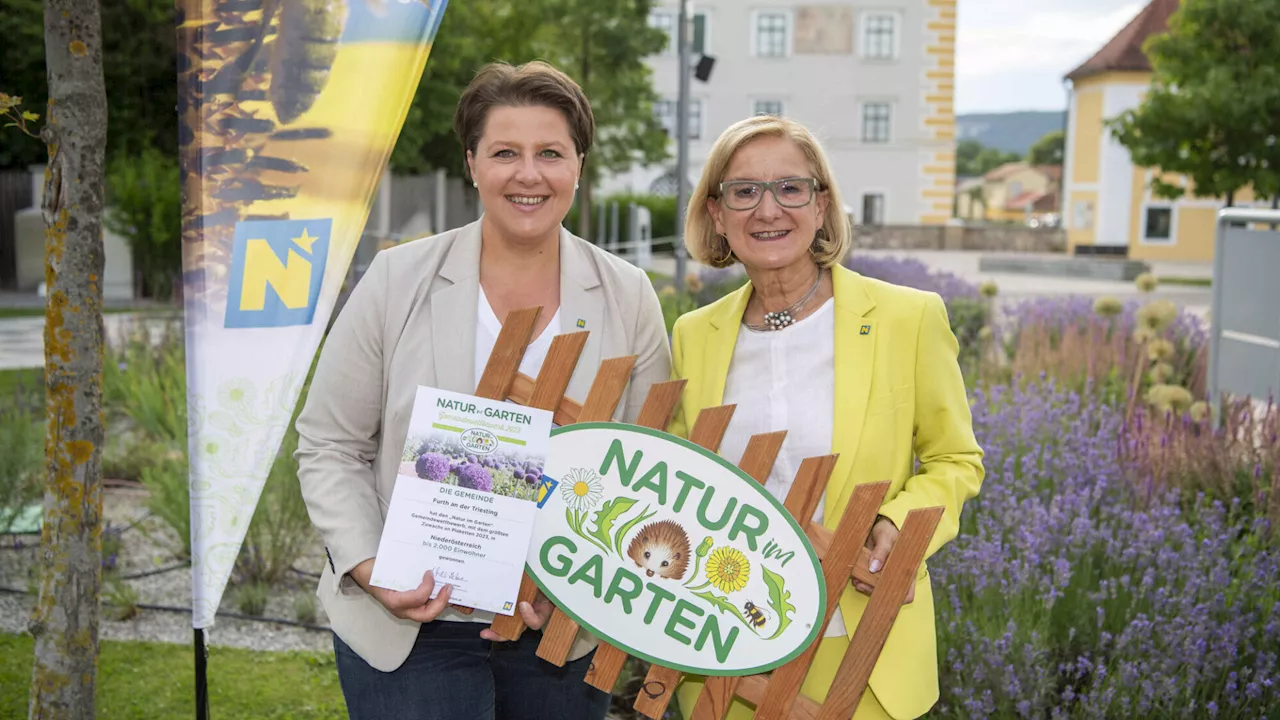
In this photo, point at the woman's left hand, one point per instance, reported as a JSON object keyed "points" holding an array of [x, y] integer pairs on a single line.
{"points": [[535, 615], [884, 534]]}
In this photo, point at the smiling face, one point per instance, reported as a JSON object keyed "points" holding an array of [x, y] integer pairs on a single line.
{"points": [[769, 236], [525, 167]]}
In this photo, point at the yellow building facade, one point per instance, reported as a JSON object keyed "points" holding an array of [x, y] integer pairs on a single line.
{"points": [[1108, 206]]}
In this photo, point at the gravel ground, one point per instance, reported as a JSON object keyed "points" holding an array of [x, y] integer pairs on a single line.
{"points": [[146, 546]]}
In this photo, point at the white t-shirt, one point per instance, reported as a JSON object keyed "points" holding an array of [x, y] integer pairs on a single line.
{"points": [[487, 329], [785, 380]]}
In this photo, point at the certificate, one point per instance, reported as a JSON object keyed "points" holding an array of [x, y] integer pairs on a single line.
{"points": [[468, 486]]}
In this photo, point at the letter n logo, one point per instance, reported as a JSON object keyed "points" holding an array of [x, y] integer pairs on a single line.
{"points": [[277, 268]]}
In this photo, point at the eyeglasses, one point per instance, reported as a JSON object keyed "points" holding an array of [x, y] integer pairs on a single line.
{"points": [[788, 192]]}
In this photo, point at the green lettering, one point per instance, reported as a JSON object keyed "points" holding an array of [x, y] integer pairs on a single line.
{"points": [[625, 472], [626, 596], [688, 482], [590, 574], [724, 516], [562, 564], [722, 646], [751, 530], [677, 618], [659, 595], [659, 486]]}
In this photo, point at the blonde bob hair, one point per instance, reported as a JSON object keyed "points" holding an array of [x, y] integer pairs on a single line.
{"points": [[700, 237]]}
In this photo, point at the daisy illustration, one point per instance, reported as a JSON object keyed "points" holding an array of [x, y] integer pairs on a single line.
{"points": [[728, 569], [581, 489]]}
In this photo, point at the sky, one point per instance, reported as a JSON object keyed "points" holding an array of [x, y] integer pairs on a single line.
{"points": [[1012, 54]]}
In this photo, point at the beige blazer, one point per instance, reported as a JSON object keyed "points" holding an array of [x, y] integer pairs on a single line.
{"points": [[412, 321]]}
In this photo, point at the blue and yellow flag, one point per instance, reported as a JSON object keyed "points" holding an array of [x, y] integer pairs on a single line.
{"points": [[289, 111]]}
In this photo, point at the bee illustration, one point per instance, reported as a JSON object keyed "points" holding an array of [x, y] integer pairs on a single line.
{"points": [[303, 52], [754, 615]]}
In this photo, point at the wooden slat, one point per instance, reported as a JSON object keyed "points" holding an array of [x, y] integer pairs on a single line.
{"points": [[802, 501], [820, 538], [754, 687], [522, 392], [602, 400], [508, 353], [707, 433], [548, 390], [850, 535], [762, 451], [659, 406], [899, 574], [504, 363]]}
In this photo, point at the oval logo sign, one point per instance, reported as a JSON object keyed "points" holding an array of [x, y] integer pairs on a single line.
{"points": [[672, 554], [479, 441]]}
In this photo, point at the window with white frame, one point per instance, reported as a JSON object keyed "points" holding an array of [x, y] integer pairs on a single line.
{"points": [[666, 22], [669, 23], [666, 110], [873, 208], [771, 31], [1157, 224], [876, 122], [767, 107], [880, 36]]}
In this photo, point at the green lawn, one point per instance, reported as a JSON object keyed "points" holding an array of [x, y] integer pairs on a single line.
{"points": [[156, 680]]}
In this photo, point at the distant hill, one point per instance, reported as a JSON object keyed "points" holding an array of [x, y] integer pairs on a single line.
{"points": [[1011, 132]]}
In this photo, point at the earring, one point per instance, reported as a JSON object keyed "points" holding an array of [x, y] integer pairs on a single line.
{"points": [[575, 184], [475, 184], [728, 252]]}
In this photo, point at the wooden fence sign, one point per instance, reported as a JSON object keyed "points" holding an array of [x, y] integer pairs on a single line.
{"points": [[842, 553], [673, 554]]}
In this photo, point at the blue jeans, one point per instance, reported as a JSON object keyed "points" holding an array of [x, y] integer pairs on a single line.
{"points": [[454, 674]]}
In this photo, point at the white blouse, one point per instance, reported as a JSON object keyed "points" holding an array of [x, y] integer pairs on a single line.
{"points": [[487, 328], [785, 380]]}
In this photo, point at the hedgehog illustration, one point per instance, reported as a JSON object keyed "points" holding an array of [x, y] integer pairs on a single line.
{"points": [[661, 548]]}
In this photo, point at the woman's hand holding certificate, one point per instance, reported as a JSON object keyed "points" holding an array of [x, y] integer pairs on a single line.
{"points": [[415, 604]]}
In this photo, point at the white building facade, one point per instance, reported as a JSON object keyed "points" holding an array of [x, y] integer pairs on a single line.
{"points": [[873, 79]]}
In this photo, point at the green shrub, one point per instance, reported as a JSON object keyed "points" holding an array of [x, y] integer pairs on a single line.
{"points": [[144, 196], [21, 459], [146, 383], [251, 598], [304, 609], [166, 479], [281, 527]]}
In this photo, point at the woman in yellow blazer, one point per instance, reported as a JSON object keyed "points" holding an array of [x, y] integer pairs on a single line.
{"points": [[844, 363]]}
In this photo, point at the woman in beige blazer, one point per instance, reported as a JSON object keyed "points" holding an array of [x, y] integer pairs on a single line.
{"points": [[428, 313]]}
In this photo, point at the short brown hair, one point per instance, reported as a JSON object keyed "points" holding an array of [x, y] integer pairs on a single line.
{"points": [[700, 236], [534, 84]]}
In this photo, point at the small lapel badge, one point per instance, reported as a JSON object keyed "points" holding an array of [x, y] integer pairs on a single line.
{"points": [[582, 323], [864, 330]]}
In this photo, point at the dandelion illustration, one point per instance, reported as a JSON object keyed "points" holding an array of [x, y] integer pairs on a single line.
{"points": [[581, 489], [728, 569]]}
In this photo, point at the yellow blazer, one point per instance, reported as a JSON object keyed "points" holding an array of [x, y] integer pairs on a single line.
{"points": [[899, 396]]}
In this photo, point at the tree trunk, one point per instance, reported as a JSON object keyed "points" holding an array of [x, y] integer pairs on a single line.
{"points": [[584, 192], [65, 622]]}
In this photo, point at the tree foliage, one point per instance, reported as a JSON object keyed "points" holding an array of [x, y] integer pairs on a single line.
{"points": [[138, 65], [1048, 150], [1213, 110], [974, 159]]}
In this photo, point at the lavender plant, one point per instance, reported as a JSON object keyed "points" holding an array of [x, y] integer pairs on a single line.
{"points": [[1067, 595]]}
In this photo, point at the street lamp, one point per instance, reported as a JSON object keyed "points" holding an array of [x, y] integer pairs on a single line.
{"points": [[682, 142]]}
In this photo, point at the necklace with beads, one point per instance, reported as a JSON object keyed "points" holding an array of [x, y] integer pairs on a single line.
{"points": [[782, 318]]}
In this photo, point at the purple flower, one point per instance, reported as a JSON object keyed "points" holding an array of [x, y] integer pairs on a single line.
{"points": [[432, 466], [475, 477]]}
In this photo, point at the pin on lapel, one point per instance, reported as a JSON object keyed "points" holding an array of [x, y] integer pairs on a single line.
{"points": [[864, 330], [582, 323]]}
